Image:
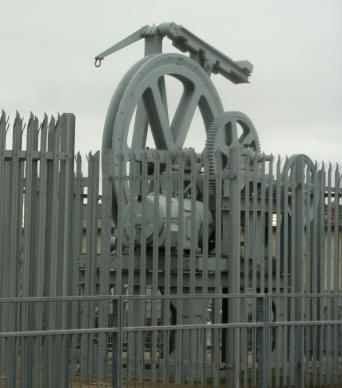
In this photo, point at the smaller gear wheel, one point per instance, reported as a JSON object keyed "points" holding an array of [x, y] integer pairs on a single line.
{"points": [[227, 129]]}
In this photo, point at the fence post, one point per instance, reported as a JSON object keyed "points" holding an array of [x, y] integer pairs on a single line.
{"points": [[105, 258], [67, 174], [299, 270], [263, 357], [234, 263], [117, 342]]}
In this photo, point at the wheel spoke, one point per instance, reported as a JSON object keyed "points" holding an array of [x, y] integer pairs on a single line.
{"points": [[158, 118], [162, 88], [184, 115], [248, 139], [140, 128], [141, 121]]}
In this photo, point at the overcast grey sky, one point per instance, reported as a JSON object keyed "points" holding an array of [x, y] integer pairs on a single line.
{"points": [[295, 94]]}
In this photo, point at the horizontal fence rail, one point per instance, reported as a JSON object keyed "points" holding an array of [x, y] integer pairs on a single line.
{"points": [[264, 347]]}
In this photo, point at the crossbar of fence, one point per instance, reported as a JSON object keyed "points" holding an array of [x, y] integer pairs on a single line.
{"points": [[37, 299], [123, 366]]}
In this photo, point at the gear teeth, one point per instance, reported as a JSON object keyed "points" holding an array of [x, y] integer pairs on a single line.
{"points": [[257, 141], [217, 125], [211, 149]]}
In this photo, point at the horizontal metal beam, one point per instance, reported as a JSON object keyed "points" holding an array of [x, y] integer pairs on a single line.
{"points": [[49, 333], [184, 40]]}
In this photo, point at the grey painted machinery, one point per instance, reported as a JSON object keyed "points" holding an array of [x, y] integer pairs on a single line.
{"points": [[141, 97], [139, 105]]}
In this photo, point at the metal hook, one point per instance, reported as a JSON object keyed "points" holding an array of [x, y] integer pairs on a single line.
{"points": [[98, 61]]}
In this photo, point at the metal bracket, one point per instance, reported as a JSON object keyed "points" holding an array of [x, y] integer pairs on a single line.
{"points": [[137, 35], [211, 59]]}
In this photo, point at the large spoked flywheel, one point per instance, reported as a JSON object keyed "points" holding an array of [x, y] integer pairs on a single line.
{"points": [[142, 94]]}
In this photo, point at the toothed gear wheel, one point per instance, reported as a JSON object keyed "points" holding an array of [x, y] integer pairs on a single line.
{"points": [[227, 129]]}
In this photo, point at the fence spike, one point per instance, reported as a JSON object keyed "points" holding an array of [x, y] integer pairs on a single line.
{"points": [[3, 122], [77, 156], [52, 122], [3, 130], [18, 120], [30, 121], [3, 117], [44, 122], [279, 160]]}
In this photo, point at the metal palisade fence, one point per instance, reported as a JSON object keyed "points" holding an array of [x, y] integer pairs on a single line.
{"points": [[184, 268]]}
